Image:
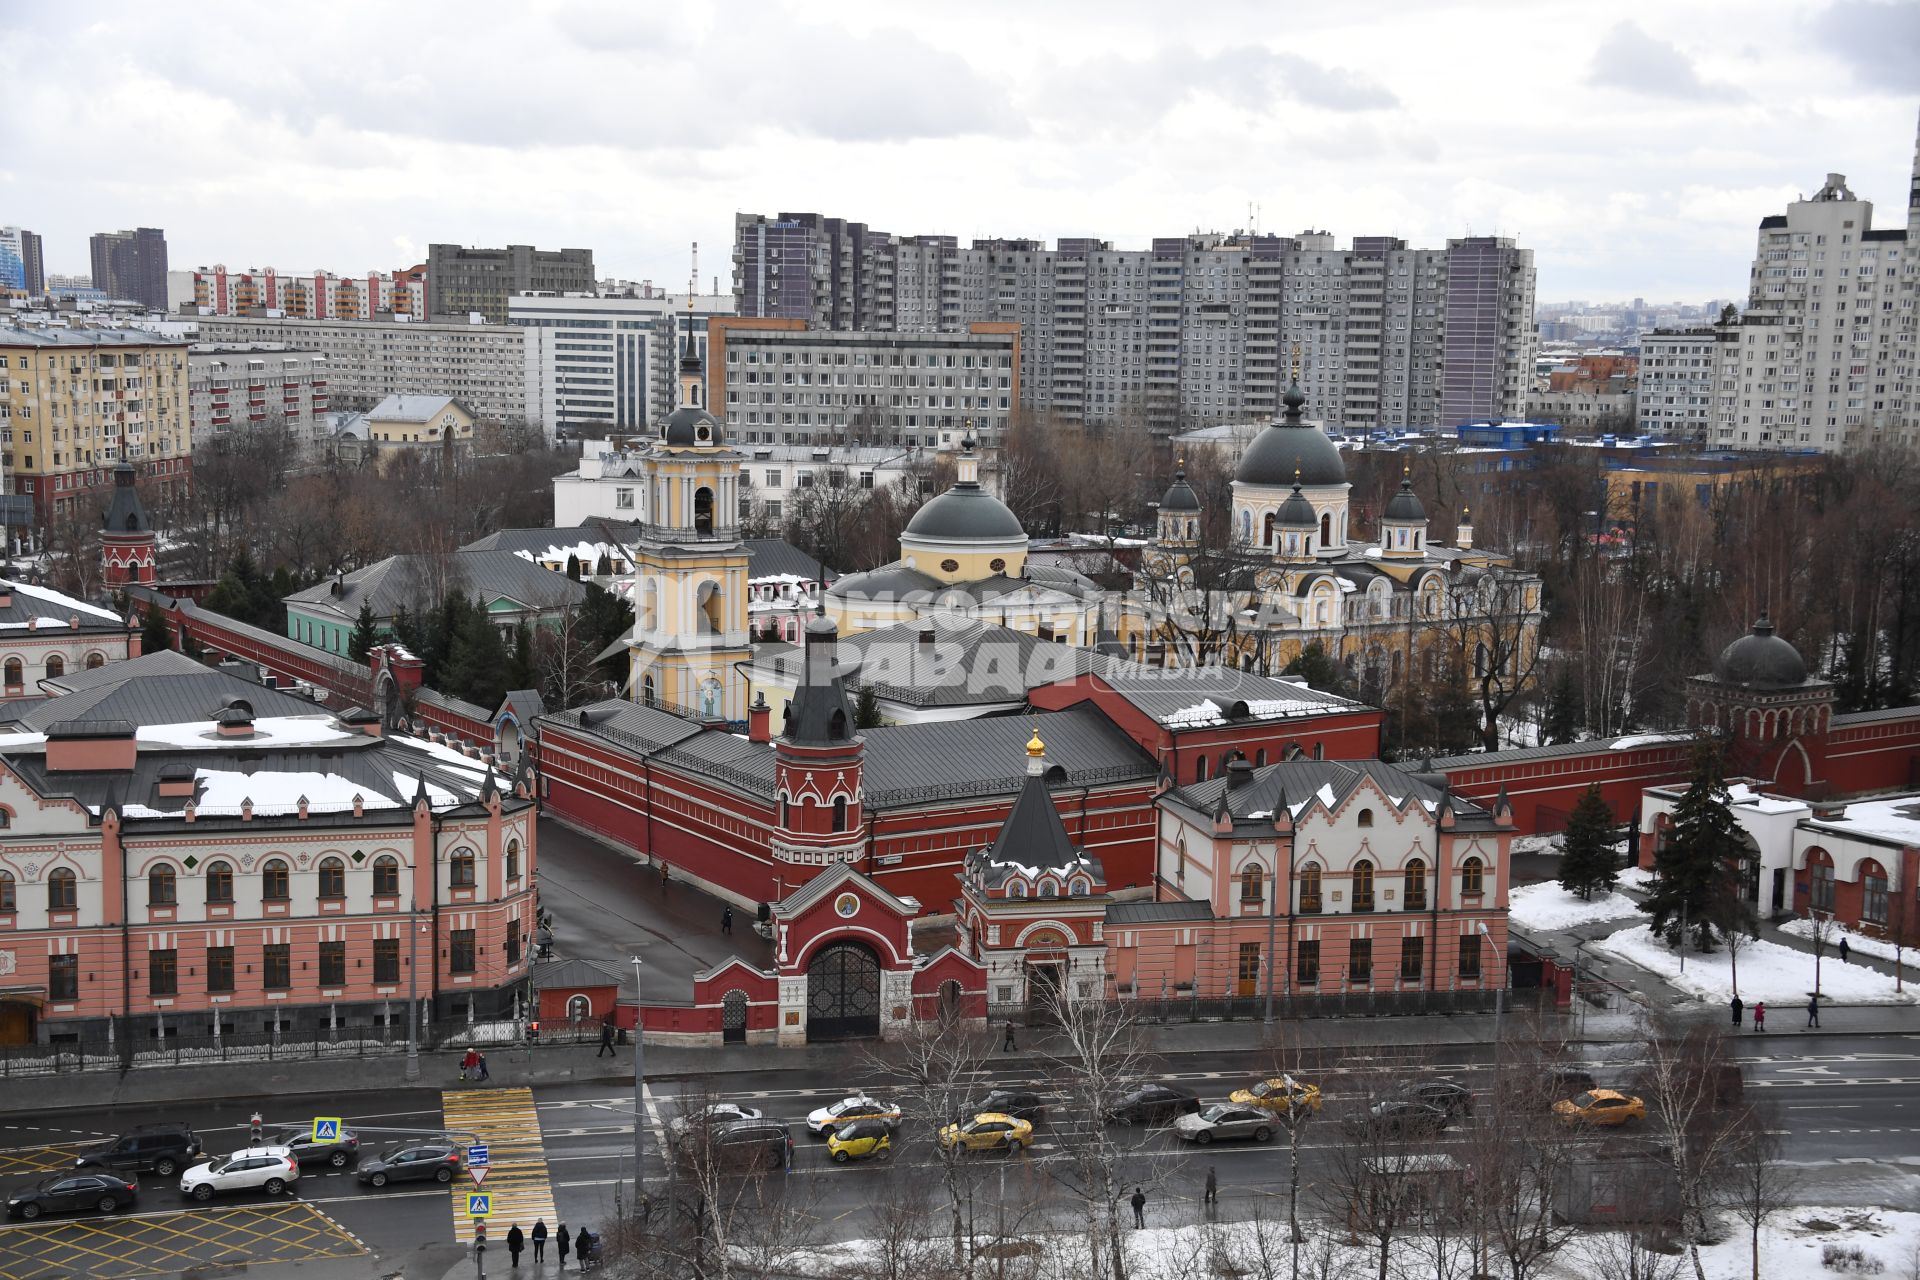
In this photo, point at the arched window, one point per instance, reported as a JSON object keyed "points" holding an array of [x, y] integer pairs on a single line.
{"points": [[96, 660], [1266, 530], [579, 1008], [1822, 881], [785, 812], [333, 878], [513, 859], [56, 666], [1873, 892], [646, 691], [462, 869], [1200, 769], [1260, 758], [1326, 529], [1253, 879], [6, 891], [1365, 818], [1472, 877], [219, 882], [14, 670], [63, 890], [839, 813], [1415, 891], [386, 876], [1310, 888], [703, 510], [1363, 885], [275, 884], [161, 887]]}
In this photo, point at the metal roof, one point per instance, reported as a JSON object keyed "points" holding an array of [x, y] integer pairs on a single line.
{"points": [[178, 698], [412, 408], [415, 581], [1123, 913], [1295, 782]]}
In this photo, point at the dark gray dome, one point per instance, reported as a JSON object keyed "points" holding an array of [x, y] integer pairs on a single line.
{"points": [[1297, 513], [888, 582], [688, 426], [1286, 451], [1761, 659], [1405, 505], [965, 513], [1180, 495]]}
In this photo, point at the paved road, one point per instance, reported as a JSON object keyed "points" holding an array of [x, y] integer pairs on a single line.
{"points": [[1849, 1109]]}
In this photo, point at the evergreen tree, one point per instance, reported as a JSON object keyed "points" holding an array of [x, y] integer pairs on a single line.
{"points": [[1692, 867], [1587, 862], [522, 662], [1563, 708], [606, 618], [477, 659], [866, 709], [573, 566], [365, 636], [154, 635], [1314, 665], [406, 629]]}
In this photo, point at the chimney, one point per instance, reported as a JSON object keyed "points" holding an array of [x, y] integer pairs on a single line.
{"points": [[361, 720], [760, 720], [926, 635], [1239, 772], [234, 720], [6, 594], [176, 780], [90, 746]]}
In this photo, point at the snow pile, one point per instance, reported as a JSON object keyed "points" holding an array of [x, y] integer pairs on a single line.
{"points": [[1768, 971], [1636, 878], [1536, 844], [1647, 740], [1207, 711], [1548, 906], [1876, 947], [1746, 797]]}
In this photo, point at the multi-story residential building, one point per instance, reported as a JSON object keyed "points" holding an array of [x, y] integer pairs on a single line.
{"points": [[1192, 331], [22, 268], [1679, 370], [782, 382], [604, 365], [254, 383], [74, 402], [481, 365], [462, 280], [318, 295], [1590, 393], [133, 265]]}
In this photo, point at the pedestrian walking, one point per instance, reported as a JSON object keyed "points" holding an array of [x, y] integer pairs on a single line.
{"points": [[726, 920], [1813, 1011], [580, 1247], [563, 1241], [470, 1065], [516, 1241], [1760, 1015], [664, 877], [1006, 1046], [1843, 949], [606, 1036], [1736, 1006], [484, 1073], [539, 1239], [1213, 1189], [1139, 1208]]}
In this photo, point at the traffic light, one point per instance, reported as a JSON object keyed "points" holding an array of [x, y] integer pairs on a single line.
{"points": [[480, 1235]]}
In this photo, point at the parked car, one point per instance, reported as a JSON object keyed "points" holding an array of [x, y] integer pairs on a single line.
{"points": [[338, 1152], [1395, 1118], [1454, 1099], [860, 1140], [1225, 1120], [823, 1120], [72, 1193], [437, 1161], [1600, 1107], [742, 1144], [1153, 1104], [989, 1131], [711, 1114], [1021, 1104], [268, 1169], [1280, 1093], [163, 1148]]}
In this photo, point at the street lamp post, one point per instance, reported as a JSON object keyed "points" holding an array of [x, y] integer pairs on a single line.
{"points": [[1273, 924], [639, 1087], [413, 991]]}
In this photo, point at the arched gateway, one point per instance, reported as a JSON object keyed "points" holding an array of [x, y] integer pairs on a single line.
{"points": [[843, 992]]}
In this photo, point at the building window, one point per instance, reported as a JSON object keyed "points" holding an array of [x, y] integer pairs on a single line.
{"points": [[1469, 955], [333, 878], [1249, 971], [1306, 969], [63, 977], [163, 975], [1873, 902], [275, 885], [460, 951], [333, 964], [15, 673], [276, 966], [219, 968], [1823, 886], [513, 943], [386, 960], [56, 666], [1360, 961], [63, 890], [1365, 818], [386, 876], [1363, 885], [839, 813], [1252, 882], [462, 877], [161, 887], [220, 882], [6, 891], [1310, 889], [1412, 959], [1415, 880], [1472, 877], [513, 860]]}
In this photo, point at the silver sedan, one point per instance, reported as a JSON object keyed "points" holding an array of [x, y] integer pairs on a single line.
{"points": [[1224, 1120]]}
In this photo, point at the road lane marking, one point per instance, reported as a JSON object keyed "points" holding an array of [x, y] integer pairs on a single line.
{"points": [[506, 1121]]}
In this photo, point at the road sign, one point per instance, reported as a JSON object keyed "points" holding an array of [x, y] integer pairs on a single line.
{"points": [[479, 1204], [477, 1154], [478, 1175], [326, 1129]]}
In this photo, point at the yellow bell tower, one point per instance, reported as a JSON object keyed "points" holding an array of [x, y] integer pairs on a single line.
{"points": [[690, 568]]}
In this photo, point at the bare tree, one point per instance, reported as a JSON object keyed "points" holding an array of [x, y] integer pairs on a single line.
{"points": [[1684, 1068], [1758, 1183], [1627, 1255], [1380, 1181], [1823, 930], [1518, 1152], [1491, 619]]}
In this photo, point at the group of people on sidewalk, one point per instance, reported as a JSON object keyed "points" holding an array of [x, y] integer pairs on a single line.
{"points": [[584, 1247], [1760, 1012]]}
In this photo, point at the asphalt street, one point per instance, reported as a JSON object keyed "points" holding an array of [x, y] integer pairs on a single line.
{"points": [[1848, 1108]]}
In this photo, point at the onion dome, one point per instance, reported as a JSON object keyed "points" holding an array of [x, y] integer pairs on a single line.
{"points": [[1290, 449], [1405, 505], [966, 512], [1296, 512], [1180, 495]]}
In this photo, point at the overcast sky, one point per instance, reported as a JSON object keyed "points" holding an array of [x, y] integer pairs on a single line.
{"points": [[1633, 150]]}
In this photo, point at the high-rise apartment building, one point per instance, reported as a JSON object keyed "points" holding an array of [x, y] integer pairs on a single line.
{"points": [[74, 403], [315, 295], [22, 268], [251, 384], [602, 366], [481, 365], [132, 265], [1192, 331], [462, 280], [1680, 370]]}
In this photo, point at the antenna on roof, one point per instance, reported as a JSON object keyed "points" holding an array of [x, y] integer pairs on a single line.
{"points": [[693, 277]]}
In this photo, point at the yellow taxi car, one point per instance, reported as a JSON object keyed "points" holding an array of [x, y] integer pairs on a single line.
{"points": [[1600, 1106], [989, 1131], [1281, 1093], [860, 1140]]}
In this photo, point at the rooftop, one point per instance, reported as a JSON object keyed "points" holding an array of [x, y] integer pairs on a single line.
{"points": [[412, 408]]}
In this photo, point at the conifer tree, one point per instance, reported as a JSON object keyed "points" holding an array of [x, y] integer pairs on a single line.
{"points": [[1563, 708], [1587, 863], [365, 636], [866, 709], [154, 635], [1692, 865]]}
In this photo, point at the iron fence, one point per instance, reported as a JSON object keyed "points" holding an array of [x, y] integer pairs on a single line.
{"points": [[1178, 1006], [304, 1044]]}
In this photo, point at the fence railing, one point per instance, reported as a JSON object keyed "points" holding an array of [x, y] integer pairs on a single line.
{"points": [[101, 1053], [1183, 1006]]}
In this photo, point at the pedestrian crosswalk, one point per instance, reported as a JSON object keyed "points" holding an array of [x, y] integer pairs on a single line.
{"points": [[517, 1181]]}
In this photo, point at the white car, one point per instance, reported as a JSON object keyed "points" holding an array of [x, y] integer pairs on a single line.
{"points": [[858, 1107], [714, 1114], [268, 1169]]}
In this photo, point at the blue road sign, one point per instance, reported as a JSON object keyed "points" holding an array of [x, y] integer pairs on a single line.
{"points": [[477, 1154], [479, 1204], [326, 1129]]}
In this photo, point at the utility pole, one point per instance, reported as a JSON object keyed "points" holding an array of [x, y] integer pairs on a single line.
{"points": [[639, 1089], [413, 991], [1273, 923]]}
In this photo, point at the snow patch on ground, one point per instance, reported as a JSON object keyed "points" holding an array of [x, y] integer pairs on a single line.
{"points": [[1768, 971], [1634, 878], [1548, 906], [1536, 844], [1876, 947]]}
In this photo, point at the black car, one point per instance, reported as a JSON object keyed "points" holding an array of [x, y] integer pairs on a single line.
{"points": [[1021, 1104], [1396, 1118], [421, 1162], [1153, 1104], [743, 1144], [1454, 1099], [338, 1152], [1564, 1082], [164, 1148], [72, 1193]]}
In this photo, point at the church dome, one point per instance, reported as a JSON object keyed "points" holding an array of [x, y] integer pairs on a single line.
{"points": [[1289, 451], [1405, 505], [1180, 495], [964, 513], [1297, 513], [1761, 659], [689, 426]]}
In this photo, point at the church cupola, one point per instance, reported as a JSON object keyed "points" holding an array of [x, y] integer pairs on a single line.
{"points": [[1295, 527], [1179, 523], [818, 762], [1403, 525], [127, 541]]}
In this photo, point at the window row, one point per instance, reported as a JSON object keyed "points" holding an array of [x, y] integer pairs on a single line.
{"points": [[1413, 884], [1360, 961], [276, 965]]}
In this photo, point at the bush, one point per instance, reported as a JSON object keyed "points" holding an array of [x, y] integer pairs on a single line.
{"points": [[1850, 1259]]}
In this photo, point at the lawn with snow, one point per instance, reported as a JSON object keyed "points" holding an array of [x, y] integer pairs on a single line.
{"points": [[1638, 878], [1548, 906], [1779, 975], [1876, 947]]}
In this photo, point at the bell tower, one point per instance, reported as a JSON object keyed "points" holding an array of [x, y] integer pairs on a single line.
{"points": [[127, 543], [818, 761]]}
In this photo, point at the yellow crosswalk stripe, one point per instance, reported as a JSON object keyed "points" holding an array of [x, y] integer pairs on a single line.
{"points": [[517, 1179]]}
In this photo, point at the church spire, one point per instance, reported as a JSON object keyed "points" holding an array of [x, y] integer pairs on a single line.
{"points": [[693, 375]]}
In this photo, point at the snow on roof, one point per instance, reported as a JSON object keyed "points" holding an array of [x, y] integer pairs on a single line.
{"points": [[269, 731], [277, 792], [65, 601], [444, 754], [1324, 795], [1647, 740], [1746, 797], [408, 783], [1207, 711], [587, 553], [1895, 819]]}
